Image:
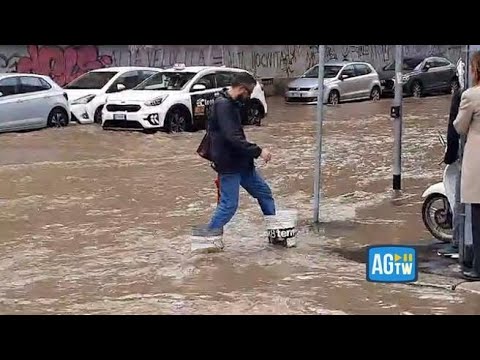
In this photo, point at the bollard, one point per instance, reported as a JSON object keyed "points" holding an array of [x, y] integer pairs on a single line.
{"points": [[282, 228]]}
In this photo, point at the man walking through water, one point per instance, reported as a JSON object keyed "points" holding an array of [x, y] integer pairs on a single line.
{"points": [[233, 157]]}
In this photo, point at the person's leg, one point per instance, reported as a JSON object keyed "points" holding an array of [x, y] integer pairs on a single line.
{"points": [[254, 184], [474, 273], [226, 208], [476, 237]]}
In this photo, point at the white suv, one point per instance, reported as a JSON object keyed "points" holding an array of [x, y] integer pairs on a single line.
{"points": [[177, 99], [88, 92]]}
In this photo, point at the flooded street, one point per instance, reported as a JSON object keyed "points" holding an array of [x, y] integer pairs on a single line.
{"points": [[98, 222]]}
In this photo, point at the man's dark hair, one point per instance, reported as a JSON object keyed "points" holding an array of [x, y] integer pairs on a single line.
{"points": [[243, 79]]}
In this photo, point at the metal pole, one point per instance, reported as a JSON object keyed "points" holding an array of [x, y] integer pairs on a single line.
{"points": [[458, 207], [397, 119], [318, 158]]}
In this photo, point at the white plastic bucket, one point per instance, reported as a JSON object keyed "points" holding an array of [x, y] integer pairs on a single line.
{"points": [[282, 228], [209, 244], [205, 244]]}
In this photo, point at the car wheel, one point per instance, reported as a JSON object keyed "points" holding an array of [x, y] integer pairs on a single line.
{"points": [[97, 116], [417, 89], [375, 94], [58, 117], [454, 86], [176, 120], [255, 114], [150, 131], [334, 97]]}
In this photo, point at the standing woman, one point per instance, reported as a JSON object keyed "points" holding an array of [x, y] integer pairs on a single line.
{"points": [[468, 123]]}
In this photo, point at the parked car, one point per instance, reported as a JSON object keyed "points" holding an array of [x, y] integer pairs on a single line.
{"points": [[88, 92], [178, 99], [343, 81], [421, 76], [29, 101]]}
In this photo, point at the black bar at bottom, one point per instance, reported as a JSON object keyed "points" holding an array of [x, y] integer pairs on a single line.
{"points": [[397, 182]]}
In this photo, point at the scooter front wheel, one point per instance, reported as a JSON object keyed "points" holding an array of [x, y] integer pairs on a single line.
{"points": [[437, 217]]}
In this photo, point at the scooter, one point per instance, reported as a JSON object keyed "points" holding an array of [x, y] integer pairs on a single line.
{"points": [[437, 212]]}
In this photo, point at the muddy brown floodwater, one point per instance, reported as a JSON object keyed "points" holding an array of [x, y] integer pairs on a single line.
{"points": [[97, 222]]}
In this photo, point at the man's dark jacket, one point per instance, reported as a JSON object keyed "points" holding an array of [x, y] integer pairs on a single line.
{"points": [[230, 151], [453, 138]]}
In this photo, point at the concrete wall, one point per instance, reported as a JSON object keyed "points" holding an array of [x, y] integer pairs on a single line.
{"points": [[65, 62]]}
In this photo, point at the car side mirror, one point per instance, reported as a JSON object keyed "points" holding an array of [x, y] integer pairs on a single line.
{"points": [[344, 76], [121, 87], [199, 87], [426, 67], [1, 94]]}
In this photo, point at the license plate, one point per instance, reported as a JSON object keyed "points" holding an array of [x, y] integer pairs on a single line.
{"points": [[119, 117]]}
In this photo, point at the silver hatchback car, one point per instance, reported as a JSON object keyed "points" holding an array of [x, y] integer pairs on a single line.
{"points": [[30, 101], [343, 81]]}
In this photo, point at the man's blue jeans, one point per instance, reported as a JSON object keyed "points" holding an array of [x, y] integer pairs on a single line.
{"points": [[230, 184]]}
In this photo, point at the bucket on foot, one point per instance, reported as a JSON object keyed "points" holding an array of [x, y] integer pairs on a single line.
{"points": [[203, 241], [282, 228]]}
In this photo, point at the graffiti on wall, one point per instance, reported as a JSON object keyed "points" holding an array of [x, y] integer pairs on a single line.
{"points": [[62, 64], [166, 56], [8, 63], [284, 60], [430, 50], [376, 54], [312, 55], [330, 53], [265, 61], [293, 60], [65, 63]]}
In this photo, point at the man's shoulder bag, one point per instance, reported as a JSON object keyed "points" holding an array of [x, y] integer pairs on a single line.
{"points": [[205, 147]]}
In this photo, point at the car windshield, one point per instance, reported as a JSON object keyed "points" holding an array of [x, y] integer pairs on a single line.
{"points": [[408, 64], [92, 80], [166, 81], [330, 71]]}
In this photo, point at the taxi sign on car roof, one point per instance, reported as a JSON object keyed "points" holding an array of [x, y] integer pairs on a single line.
{"points": [[179, 66]]}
